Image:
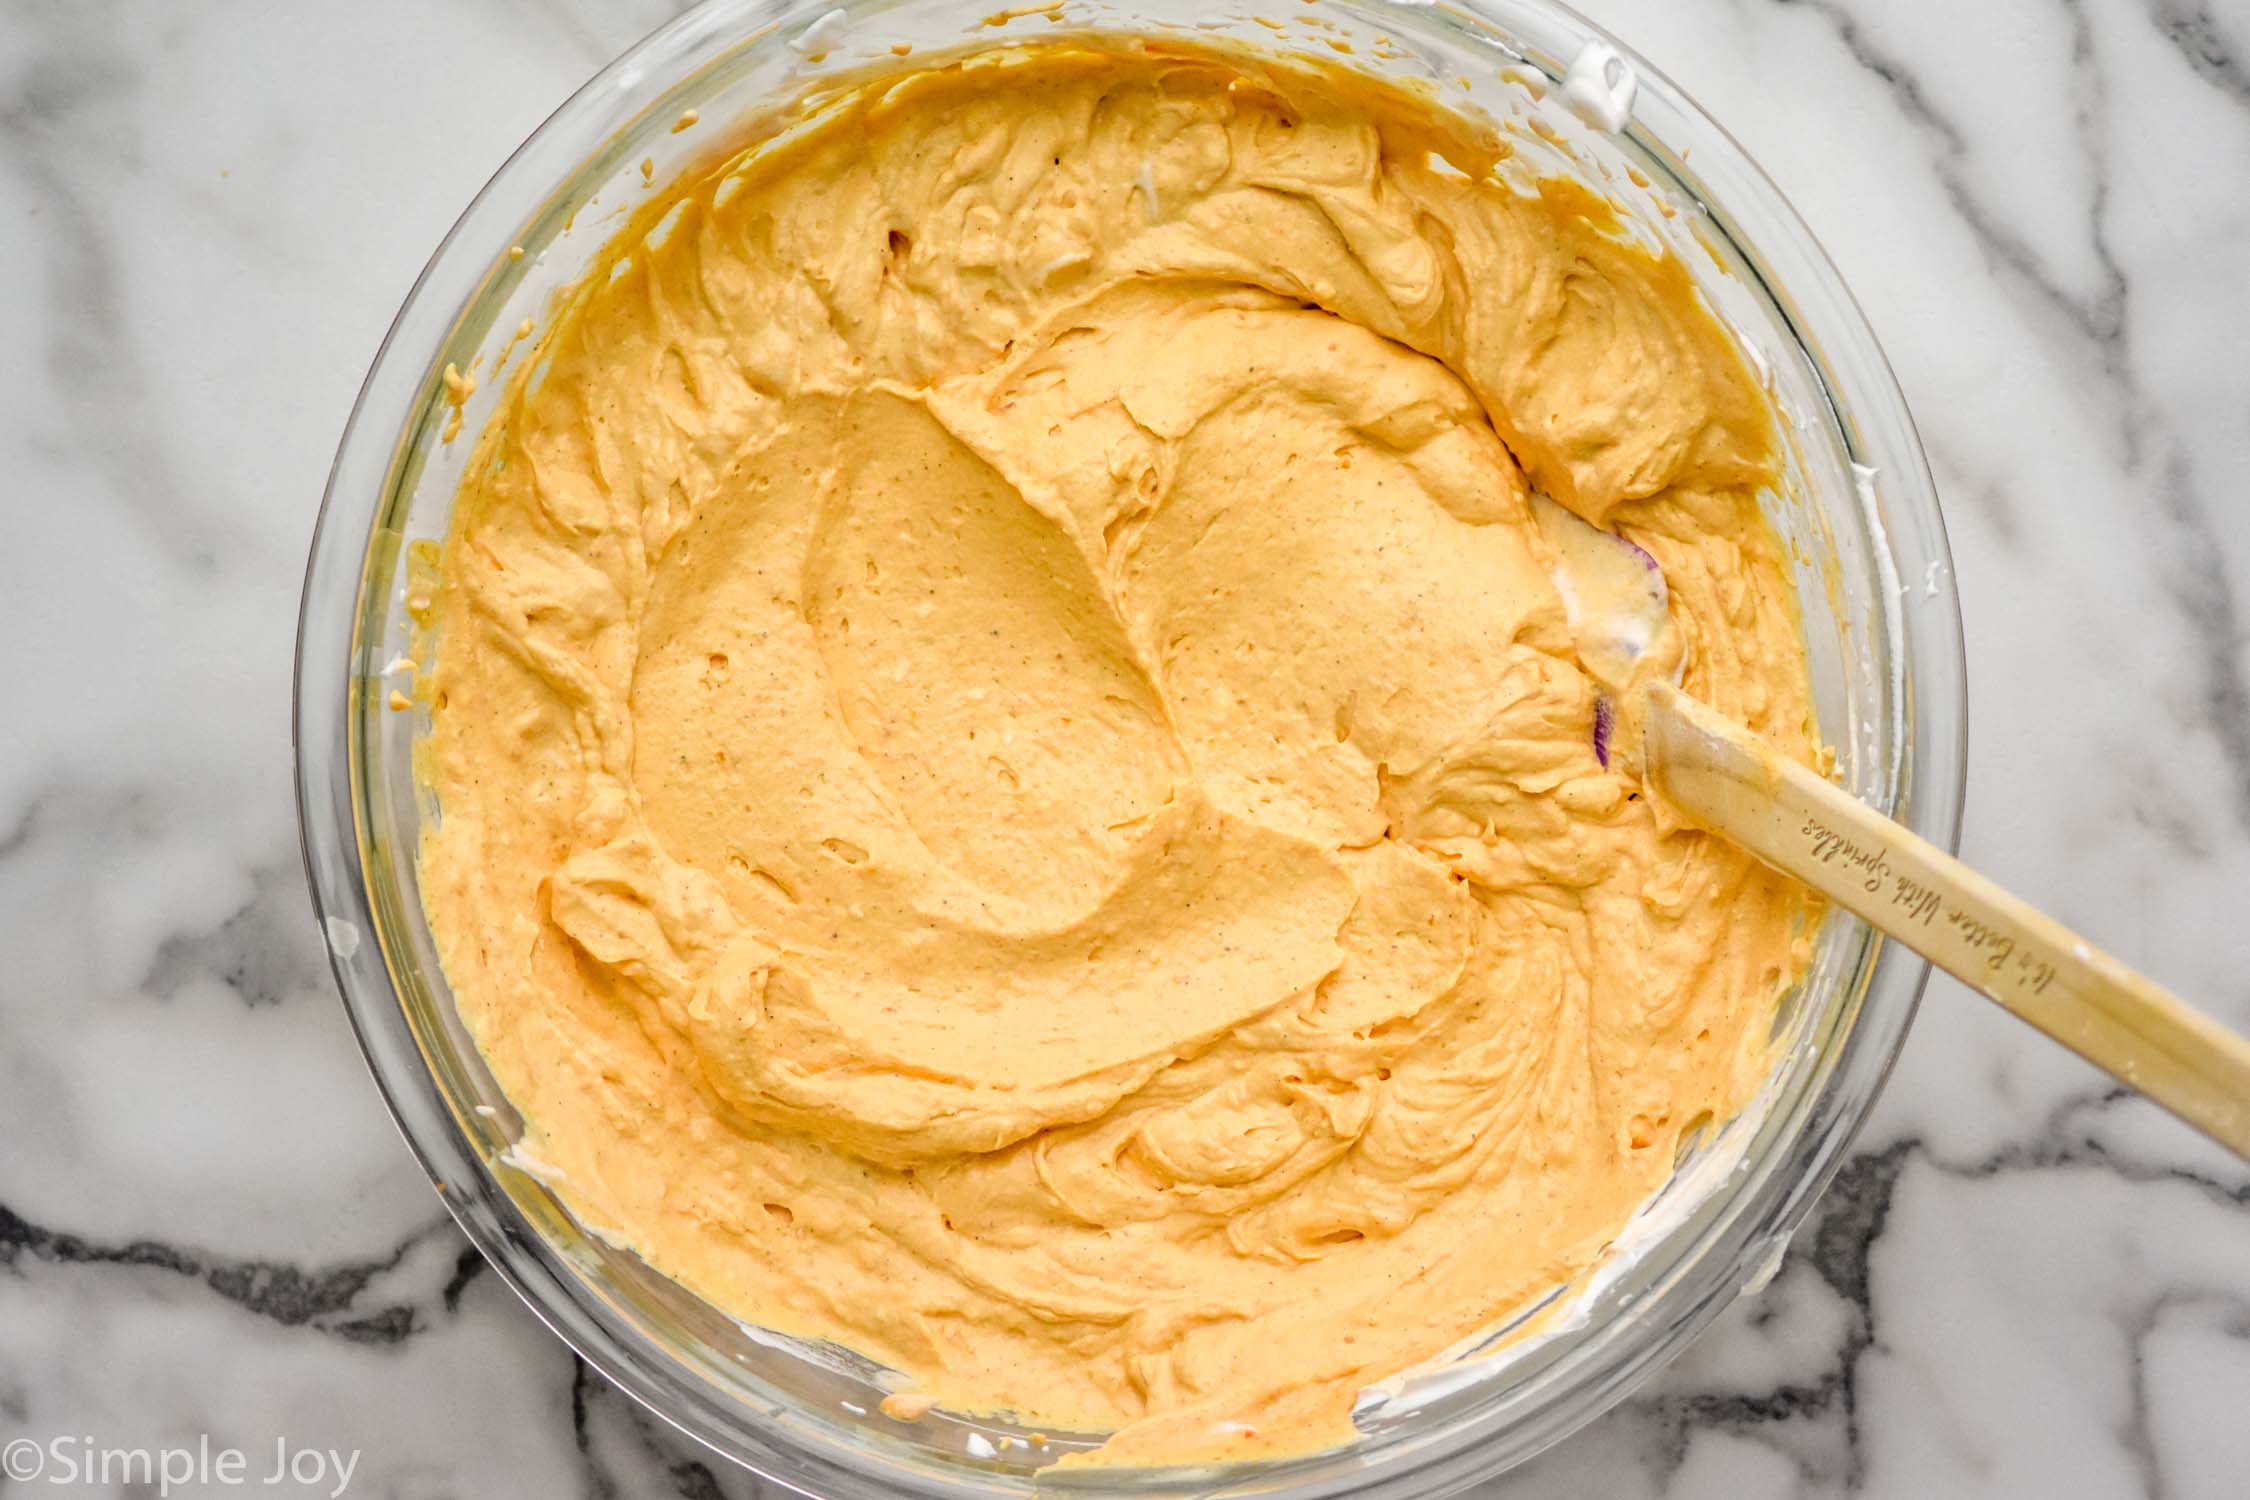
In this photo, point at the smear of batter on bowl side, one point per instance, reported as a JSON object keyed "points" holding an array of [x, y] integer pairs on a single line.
{"points": [[1017, 788]]}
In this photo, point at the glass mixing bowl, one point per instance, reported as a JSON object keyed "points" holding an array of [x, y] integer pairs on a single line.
{"points": [[1881, 619]]}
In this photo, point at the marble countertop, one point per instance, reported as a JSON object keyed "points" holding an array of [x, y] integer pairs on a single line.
{"points": [[2023, 1284]]}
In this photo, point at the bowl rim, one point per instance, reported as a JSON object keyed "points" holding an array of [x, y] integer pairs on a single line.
{"points": [[330, 679]]}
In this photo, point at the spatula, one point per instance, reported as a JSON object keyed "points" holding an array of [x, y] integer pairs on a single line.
{"points": [[1724, 778]]}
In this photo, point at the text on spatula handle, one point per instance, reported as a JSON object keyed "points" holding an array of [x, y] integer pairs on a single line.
{"points": [[1870, 865]]}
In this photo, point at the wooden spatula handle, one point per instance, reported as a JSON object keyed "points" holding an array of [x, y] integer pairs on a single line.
{"points": [[1724, 778]]}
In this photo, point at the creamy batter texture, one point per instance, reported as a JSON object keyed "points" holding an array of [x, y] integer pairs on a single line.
{"points": [[1018, 789]]}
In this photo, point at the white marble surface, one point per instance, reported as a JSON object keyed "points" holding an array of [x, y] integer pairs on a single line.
{"points": [[2022, 1285]]}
